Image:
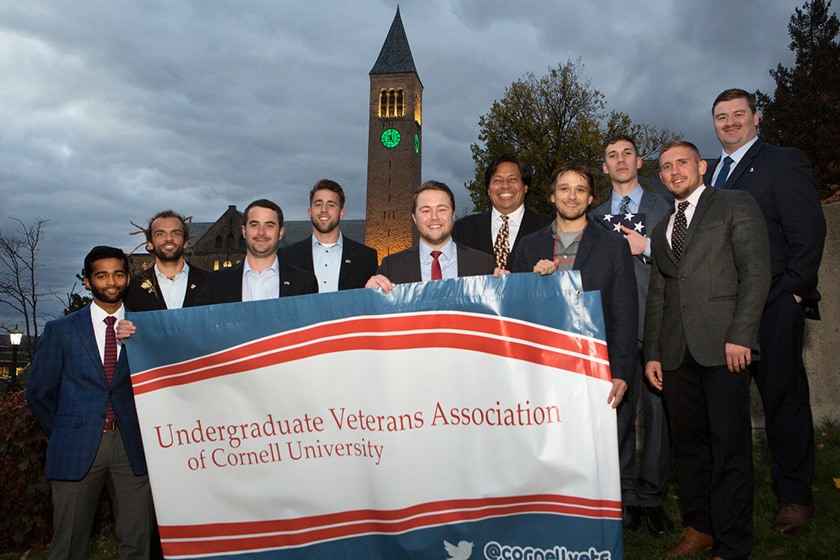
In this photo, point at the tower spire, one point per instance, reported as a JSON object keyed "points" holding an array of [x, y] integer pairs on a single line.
{"points": [[395, 56]]}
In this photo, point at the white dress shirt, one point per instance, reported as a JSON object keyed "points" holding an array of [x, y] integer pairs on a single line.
{"points": [[97, 317], [326, 260], [689, 211], [514, 223], [173, 291]]}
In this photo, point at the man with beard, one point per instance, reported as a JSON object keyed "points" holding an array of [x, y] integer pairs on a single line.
{"points": [[261, 275], [436, 256], [337, 261], [170, 283], [80, 392], [603, 259]]}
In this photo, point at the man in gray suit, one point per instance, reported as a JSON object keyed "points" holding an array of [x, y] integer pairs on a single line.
{"points": [[710, 277], [644, 489], [436, 256]]}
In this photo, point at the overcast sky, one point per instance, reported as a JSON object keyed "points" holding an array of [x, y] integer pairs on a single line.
{"points": [[113, 110]]}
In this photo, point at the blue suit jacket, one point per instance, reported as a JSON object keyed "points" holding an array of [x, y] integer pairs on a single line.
{"points": [[68, 393]]}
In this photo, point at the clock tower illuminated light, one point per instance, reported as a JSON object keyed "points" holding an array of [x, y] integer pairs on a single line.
{"points": [[396, 105]]}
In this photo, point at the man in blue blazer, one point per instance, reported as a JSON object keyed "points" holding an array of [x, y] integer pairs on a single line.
{"points": [[643, 489], [80, 391], [342, 264], [781, 181], [572, 242]]}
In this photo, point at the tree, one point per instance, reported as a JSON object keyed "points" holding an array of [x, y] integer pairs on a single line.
{"points": [[548, 120], [18, 282], [76, 301], [804, 111]]}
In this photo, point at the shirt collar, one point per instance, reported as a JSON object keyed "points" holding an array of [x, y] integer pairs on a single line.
{"points": [[738, 154], [275, 266], [635, 195], [693, 199], [97, 314], [515, 217], [448, 250], [161, 276], [339, 243]]}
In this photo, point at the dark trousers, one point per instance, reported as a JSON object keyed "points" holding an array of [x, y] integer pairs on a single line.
{"points": [[644, 482], [709, 415], [783, 384]]}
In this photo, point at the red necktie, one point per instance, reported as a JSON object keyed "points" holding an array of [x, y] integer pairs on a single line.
{"points": [[110, 361], [436, 272]]}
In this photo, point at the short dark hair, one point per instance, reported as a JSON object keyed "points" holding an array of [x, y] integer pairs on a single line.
{"points": [[103, 252], [578, 168], [524, 171], [264, 203], [618, 138], [431, 186], [168, 214], [680, 144], [330, 185], [735, 93]]}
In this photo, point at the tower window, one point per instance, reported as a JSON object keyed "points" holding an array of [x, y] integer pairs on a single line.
{"points": [[391, 103]]}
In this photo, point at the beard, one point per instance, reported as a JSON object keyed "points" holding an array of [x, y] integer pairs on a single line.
{"points": [[325, 227], [102, 296], [168, 255]]}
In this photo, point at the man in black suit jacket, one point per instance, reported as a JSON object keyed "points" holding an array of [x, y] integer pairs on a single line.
{"points": [[506, 181], [170, 283], [781, 181], [603, 259], [261, 275], [710, 277], [644, 489], [343, 264], [436, 256]]}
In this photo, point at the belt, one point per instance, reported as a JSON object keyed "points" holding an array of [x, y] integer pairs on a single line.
{"points": [[110, 425]]}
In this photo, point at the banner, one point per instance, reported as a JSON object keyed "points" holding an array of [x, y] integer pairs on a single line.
{"points": [[456, 419]]}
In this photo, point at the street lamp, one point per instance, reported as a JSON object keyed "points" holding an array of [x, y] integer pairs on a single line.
{"points": [[15, 337]]}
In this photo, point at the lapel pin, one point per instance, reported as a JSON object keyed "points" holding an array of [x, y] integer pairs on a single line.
{"points": [[285, 282], [347, 261], [752, 169]]}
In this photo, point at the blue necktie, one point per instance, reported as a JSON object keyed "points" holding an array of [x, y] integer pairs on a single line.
{"points": [[625, 205], [724, 173]]}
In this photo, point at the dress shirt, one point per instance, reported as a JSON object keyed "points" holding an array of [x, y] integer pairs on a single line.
{"points": [[448, 261], [514, 223], [261, 285], [736, 156], [635, 203], [689, 211], [97, 317], [326, 260], [173, 291]]}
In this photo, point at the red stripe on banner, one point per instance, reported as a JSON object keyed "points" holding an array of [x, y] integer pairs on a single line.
{"points": [[361, 332], [261, 535]]}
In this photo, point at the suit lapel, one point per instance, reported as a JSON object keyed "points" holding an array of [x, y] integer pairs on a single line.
{"points": [[347, 256], [192, 289], [743, 165], [697, 218], [87, 338], [587, 242]]}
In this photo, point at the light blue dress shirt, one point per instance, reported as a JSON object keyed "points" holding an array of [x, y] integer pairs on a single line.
{"points": [[326, 259], [448, 261]]}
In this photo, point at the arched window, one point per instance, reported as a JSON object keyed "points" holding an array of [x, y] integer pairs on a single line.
{"points": [[391, 103]]}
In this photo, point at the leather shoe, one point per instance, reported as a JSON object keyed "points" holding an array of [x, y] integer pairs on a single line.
{"points": [[631, 518], [690, 542], [657, 520], [791, 517]]}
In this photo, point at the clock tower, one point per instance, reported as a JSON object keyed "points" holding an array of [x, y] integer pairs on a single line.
{"points": [[395, 140]]}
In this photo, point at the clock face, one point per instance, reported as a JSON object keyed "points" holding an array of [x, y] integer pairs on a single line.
{"points": [[390, 138], [416, 144]]}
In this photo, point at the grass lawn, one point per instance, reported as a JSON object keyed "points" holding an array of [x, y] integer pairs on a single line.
{"points": [[819, 540]]}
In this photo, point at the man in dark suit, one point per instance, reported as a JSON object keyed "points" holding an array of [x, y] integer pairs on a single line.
{"points": [[436, 256], [261, 275], [342, 264], [170, 283], [709, 279], [572, 242], [498, 230], [781, 181], [80, 391], [644, 489]]}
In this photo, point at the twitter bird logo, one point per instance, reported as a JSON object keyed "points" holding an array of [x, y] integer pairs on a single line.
{"points": [[461, 552]]}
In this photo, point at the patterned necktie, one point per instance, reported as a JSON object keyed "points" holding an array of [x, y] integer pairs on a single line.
{"points": [[680, 228], [436, 272], [501, 248], [625, 205], [110, 361], [724, 173]]}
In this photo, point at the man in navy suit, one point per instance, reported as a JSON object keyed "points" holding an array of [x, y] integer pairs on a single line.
{"points": [[80, 391], [436, 256], [261, 275], [781, 181], [170, 283], [498, 230], [644, 489], [572, 242], [342, 264]]}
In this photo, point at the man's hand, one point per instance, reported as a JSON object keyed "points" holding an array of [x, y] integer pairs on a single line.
{"points": [[638, 242], [125, 328], [499, 271], [653, 372], [738, 357], [546, 267], [619, 387], [380, 281]]}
